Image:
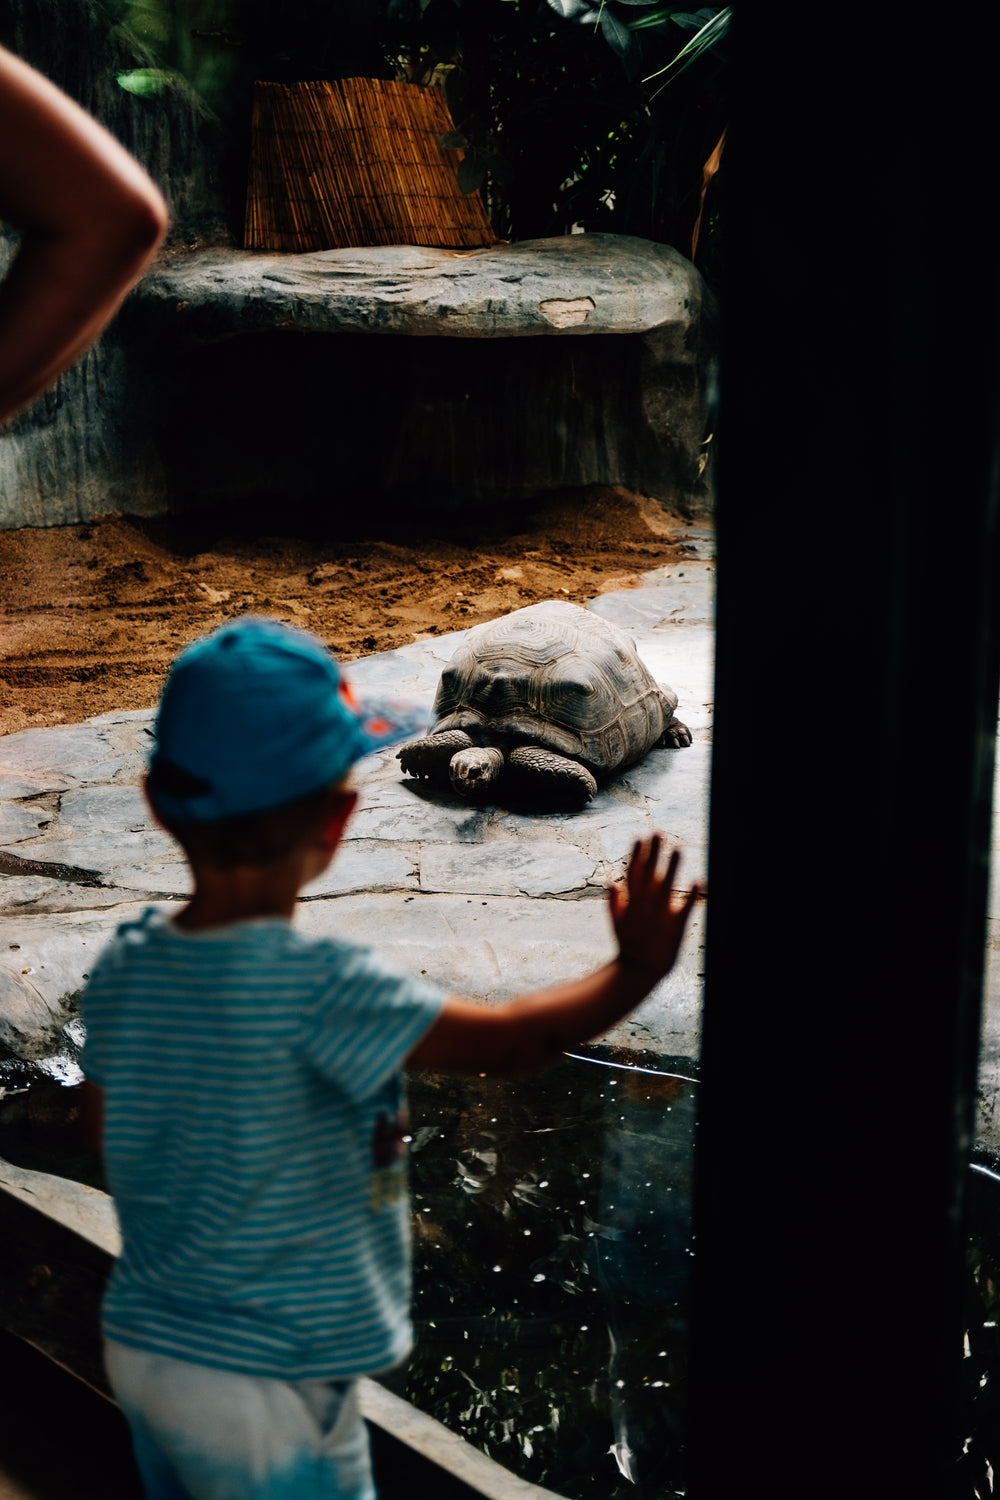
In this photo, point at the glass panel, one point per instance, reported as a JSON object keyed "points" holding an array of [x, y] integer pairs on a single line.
{"points": [[552, 1255]]}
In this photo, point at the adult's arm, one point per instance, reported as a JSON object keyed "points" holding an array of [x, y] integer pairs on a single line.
{"points": [[90, 221]]}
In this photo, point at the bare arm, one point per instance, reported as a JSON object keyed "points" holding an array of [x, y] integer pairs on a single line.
{"points": [[531, 1031], [90, 221]]}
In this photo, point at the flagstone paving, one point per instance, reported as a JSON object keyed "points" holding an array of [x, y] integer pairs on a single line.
{"points": [[484, 900]]}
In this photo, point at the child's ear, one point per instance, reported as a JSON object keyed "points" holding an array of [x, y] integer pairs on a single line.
{"points": [[332, 829]]}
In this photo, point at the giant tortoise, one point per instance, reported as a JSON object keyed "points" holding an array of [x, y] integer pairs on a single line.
{"points": [[551, 698]]}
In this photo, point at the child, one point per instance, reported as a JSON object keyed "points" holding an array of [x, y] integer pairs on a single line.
{"points": [[251, 1083]]}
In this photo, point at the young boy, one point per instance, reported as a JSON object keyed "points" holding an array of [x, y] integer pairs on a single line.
{"points": [[253, 1129]]}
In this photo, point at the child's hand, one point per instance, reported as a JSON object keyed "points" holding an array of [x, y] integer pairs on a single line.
{"points": [[534, 1029], [648, 925]]}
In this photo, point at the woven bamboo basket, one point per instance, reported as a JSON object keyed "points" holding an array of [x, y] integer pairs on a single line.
{"points": [[355, 161]]}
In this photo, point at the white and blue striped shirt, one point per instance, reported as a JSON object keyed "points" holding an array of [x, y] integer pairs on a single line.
{"points": [[253, 1145]]}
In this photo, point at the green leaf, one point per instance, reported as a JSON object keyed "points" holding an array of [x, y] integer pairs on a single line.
{"points": [[657, 22], [453, 140], [693, 20], [148, 81], [709, 34], [574, 10], [471, 173], [616, 33]]}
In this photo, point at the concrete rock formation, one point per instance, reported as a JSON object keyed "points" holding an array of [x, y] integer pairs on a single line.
{"points": [[587, 283], [205, 390], [402, 373]]}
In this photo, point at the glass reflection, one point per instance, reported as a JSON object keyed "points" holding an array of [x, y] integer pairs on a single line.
{"points": [[552, 1252]]}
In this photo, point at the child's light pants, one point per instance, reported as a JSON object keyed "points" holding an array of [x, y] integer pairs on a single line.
{"points": [[202, 1434]]}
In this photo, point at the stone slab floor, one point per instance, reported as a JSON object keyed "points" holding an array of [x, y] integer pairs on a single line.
{"points": [[483, 900]]}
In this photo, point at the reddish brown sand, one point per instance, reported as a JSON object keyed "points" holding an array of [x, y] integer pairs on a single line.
{"points": [[91, 616]]}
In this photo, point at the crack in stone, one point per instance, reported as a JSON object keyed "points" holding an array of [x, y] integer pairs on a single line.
{"points": [[491, 951], [13, 864]]}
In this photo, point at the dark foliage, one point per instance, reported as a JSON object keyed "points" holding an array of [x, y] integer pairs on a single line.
{"points": [[977, 1473], [565, 129], [565, 112]]}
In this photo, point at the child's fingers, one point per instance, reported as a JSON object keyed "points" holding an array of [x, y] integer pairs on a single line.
{"points": [[643, 863], [670, 875], [644, 877], [648, 892], [687, 905]]}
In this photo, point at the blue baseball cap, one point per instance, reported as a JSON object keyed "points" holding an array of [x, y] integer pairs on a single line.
{"points": [[258, 714]]}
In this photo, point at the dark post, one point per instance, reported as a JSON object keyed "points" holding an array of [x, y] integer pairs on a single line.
{"points": [[856, 713]]}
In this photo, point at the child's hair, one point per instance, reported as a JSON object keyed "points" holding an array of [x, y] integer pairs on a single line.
{"points": [[258, 838]]}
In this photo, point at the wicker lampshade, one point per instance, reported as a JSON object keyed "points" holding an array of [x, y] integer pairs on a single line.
{"points": [[355, 161]]}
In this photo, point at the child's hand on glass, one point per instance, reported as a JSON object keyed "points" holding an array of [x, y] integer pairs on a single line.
{"points": [[649, 924]]}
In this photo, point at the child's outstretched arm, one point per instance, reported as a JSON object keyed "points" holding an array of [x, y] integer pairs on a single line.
{"points": [[531, 1031]]}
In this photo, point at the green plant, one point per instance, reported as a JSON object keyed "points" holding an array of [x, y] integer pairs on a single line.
{"points": [[561, 130], [558, 130]]}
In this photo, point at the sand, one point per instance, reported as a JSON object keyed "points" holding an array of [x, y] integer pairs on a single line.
{"points": [[92, 615]]}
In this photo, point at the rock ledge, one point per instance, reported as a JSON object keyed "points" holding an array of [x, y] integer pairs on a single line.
{"points": [[571, 285]]}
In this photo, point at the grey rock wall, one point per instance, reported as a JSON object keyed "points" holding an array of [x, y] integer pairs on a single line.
{"points": [[234, 378], [82, 449], [423, 380]]}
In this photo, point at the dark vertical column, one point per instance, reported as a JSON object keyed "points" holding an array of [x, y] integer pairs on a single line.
{"points": [[855, 720]]}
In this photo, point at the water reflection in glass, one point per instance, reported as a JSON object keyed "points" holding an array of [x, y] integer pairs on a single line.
{"points": [[552, 1253]]}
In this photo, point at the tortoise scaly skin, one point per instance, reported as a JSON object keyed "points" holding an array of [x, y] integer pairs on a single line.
{"points": [[550, 698]]}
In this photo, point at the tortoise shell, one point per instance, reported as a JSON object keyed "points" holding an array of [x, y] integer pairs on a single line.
{"points": [[558, 676]]}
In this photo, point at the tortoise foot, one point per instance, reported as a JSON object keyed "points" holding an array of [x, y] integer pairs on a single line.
{"points": [[431, 756], [473, 771], [675, 737], [553, 781]]}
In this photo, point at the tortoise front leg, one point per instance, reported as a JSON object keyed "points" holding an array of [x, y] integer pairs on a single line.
{"points": [[675, 736], [553, 780], [473, 771], [431, 756]]}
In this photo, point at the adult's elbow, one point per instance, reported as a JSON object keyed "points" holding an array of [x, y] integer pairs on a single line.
{"points": [[143, 224], [122, 231]]}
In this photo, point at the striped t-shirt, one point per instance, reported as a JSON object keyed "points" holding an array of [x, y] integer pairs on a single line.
{"points": [[253, 1145]]}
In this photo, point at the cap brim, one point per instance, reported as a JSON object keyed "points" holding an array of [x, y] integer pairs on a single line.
{"points": [[387, 721]]}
